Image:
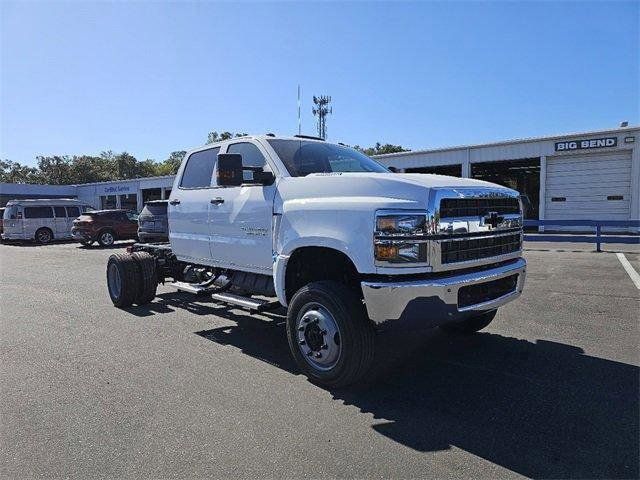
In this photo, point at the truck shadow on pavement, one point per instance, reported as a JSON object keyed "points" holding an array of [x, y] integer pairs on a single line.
{"points": [[541, 409]]}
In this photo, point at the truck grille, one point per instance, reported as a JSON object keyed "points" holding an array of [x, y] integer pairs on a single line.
{"points": [[475, 207], [463, 250], [485, 292]]}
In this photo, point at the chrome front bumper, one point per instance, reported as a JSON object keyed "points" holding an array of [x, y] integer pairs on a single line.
{"points": [[434, 301]]}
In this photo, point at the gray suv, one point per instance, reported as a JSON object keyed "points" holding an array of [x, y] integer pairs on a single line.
{"points": [[152, 222]]}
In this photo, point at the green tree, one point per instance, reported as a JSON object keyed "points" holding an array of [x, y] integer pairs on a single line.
{"points": [[214, 136], [380, 149], [14, 172], [55, 170], [170, 165]]}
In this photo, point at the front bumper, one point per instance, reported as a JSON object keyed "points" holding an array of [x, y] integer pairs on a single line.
{"points": [[81, 235], [436, 301]]}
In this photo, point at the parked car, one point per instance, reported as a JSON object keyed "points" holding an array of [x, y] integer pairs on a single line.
{"points": [[1, 219], [152, 222], [42, 220], [105, 227], [347, 247]]}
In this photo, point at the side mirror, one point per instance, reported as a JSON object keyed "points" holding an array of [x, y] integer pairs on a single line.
{"points": [[263, 178], [229, 173]]}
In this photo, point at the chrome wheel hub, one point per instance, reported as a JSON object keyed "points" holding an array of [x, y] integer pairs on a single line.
{"points": [[107, 238], [318, 336]]}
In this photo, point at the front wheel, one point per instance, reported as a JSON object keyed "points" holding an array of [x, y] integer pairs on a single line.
{"points": [[330, 336], [471, 324]]}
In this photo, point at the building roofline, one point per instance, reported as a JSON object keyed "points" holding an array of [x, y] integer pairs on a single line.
{"points": [[137, 179], [508, 142]]}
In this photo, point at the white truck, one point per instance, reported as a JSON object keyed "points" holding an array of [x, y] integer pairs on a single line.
{"points": [[347, 247]]}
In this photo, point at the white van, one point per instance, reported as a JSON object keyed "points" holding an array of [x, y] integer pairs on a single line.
{"points": [[41, 219]]}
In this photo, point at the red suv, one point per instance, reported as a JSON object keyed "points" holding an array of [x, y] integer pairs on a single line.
{"points": [[105, 227]]}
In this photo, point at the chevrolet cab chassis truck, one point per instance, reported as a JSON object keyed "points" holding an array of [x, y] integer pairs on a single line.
{"points": [[346, 246]]}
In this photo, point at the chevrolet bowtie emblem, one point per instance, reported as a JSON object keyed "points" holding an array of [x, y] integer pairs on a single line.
{"points": [[493, 219]]}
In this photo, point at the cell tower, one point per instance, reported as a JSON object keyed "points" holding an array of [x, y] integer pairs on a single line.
{"points": [[321, 110]]}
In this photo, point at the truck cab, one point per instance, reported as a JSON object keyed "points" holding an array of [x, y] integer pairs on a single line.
{"points": [[347, 247]]}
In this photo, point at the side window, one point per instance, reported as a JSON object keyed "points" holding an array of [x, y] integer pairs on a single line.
{"points": [[60, 212], [199, 169], [251, 155], [73, 212], [38, 212]]}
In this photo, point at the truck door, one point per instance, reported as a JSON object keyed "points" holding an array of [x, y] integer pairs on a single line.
{"points": [[241, 218], [188, 208]]}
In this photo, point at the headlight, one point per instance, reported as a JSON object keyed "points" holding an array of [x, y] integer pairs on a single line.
{"points": [[395, 242], [400, 224]]}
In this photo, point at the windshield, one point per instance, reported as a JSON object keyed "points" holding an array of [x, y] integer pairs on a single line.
{"points": [[303, 157]]}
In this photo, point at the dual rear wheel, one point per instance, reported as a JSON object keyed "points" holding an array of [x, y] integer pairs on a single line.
{"points": [[131, 278]]}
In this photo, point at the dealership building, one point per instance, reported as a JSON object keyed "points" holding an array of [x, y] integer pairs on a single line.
{"points": [[128, 194], [589, 175]]}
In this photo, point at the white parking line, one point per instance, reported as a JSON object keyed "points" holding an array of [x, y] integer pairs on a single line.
{"points": [[635, 277]]}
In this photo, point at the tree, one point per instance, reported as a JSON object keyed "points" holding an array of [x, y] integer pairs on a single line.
{"points": [[14, 172], [214, 136], [379, 149], [170, 165]]}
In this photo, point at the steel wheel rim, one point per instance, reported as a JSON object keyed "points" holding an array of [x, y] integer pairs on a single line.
{"points": [[318, 336], [115, 282], [107, 238]]}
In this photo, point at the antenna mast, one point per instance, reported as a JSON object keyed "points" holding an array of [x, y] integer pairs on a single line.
{"points": [[321, 110], [299, 117]]}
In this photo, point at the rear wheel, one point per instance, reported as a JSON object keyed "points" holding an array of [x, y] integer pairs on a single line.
{"points": [[149, 283], [106, 238], [472, 324], [123, 279], [330, 337], [44, 235]]}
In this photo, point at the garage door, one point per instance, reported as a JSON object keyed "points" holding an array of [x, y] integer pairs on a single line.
{"points": [[592, 187]]}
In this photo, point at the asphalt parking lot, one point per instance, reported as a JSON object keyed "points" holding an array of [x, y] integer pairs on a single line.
{"points": [[184, 388]]}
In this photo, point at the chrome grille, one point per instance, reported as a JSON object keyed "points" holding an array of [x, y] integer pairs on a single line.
{"points": [[466, 249], [475, 207]]}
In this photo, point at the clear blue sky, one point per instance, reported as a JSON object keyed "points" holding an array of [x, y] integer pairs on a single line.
{"points": [[153, 77]]}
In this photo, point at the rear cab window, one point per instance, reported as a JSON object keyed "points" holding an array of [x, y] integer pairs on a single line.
{"points": [[60, 212], [198, 172]]}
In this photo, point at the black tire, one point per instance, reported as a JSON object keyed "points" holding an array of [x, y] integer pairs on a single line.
{"points": [[128, 270], [356, 334], [44, 236], [106, 238], [149, 282], [472, 324]]}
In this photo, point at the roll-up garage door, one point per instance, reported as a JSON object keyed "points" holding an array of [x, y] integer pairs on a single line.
{"points": [[590, 187]]}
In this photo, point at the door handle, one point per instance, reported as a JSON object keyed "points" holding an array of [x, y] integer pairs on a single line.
{"points": [[217, 200], [175, 201]]}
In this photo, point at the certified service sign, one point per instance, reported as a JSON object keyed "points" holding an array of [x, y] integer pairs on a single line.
{"points": [[586, 144]]}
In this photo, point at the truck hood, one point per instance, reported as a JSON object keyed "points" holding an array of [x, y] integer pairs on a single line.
{"points": [[386, 190]]}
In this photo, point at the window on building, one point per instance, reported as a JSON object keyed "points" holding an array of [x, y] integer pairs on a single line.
{"points": [[73, 212], [199, 169], [108, 202], [60, 212], [129, 201], [38, 212], [149, 194]]}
